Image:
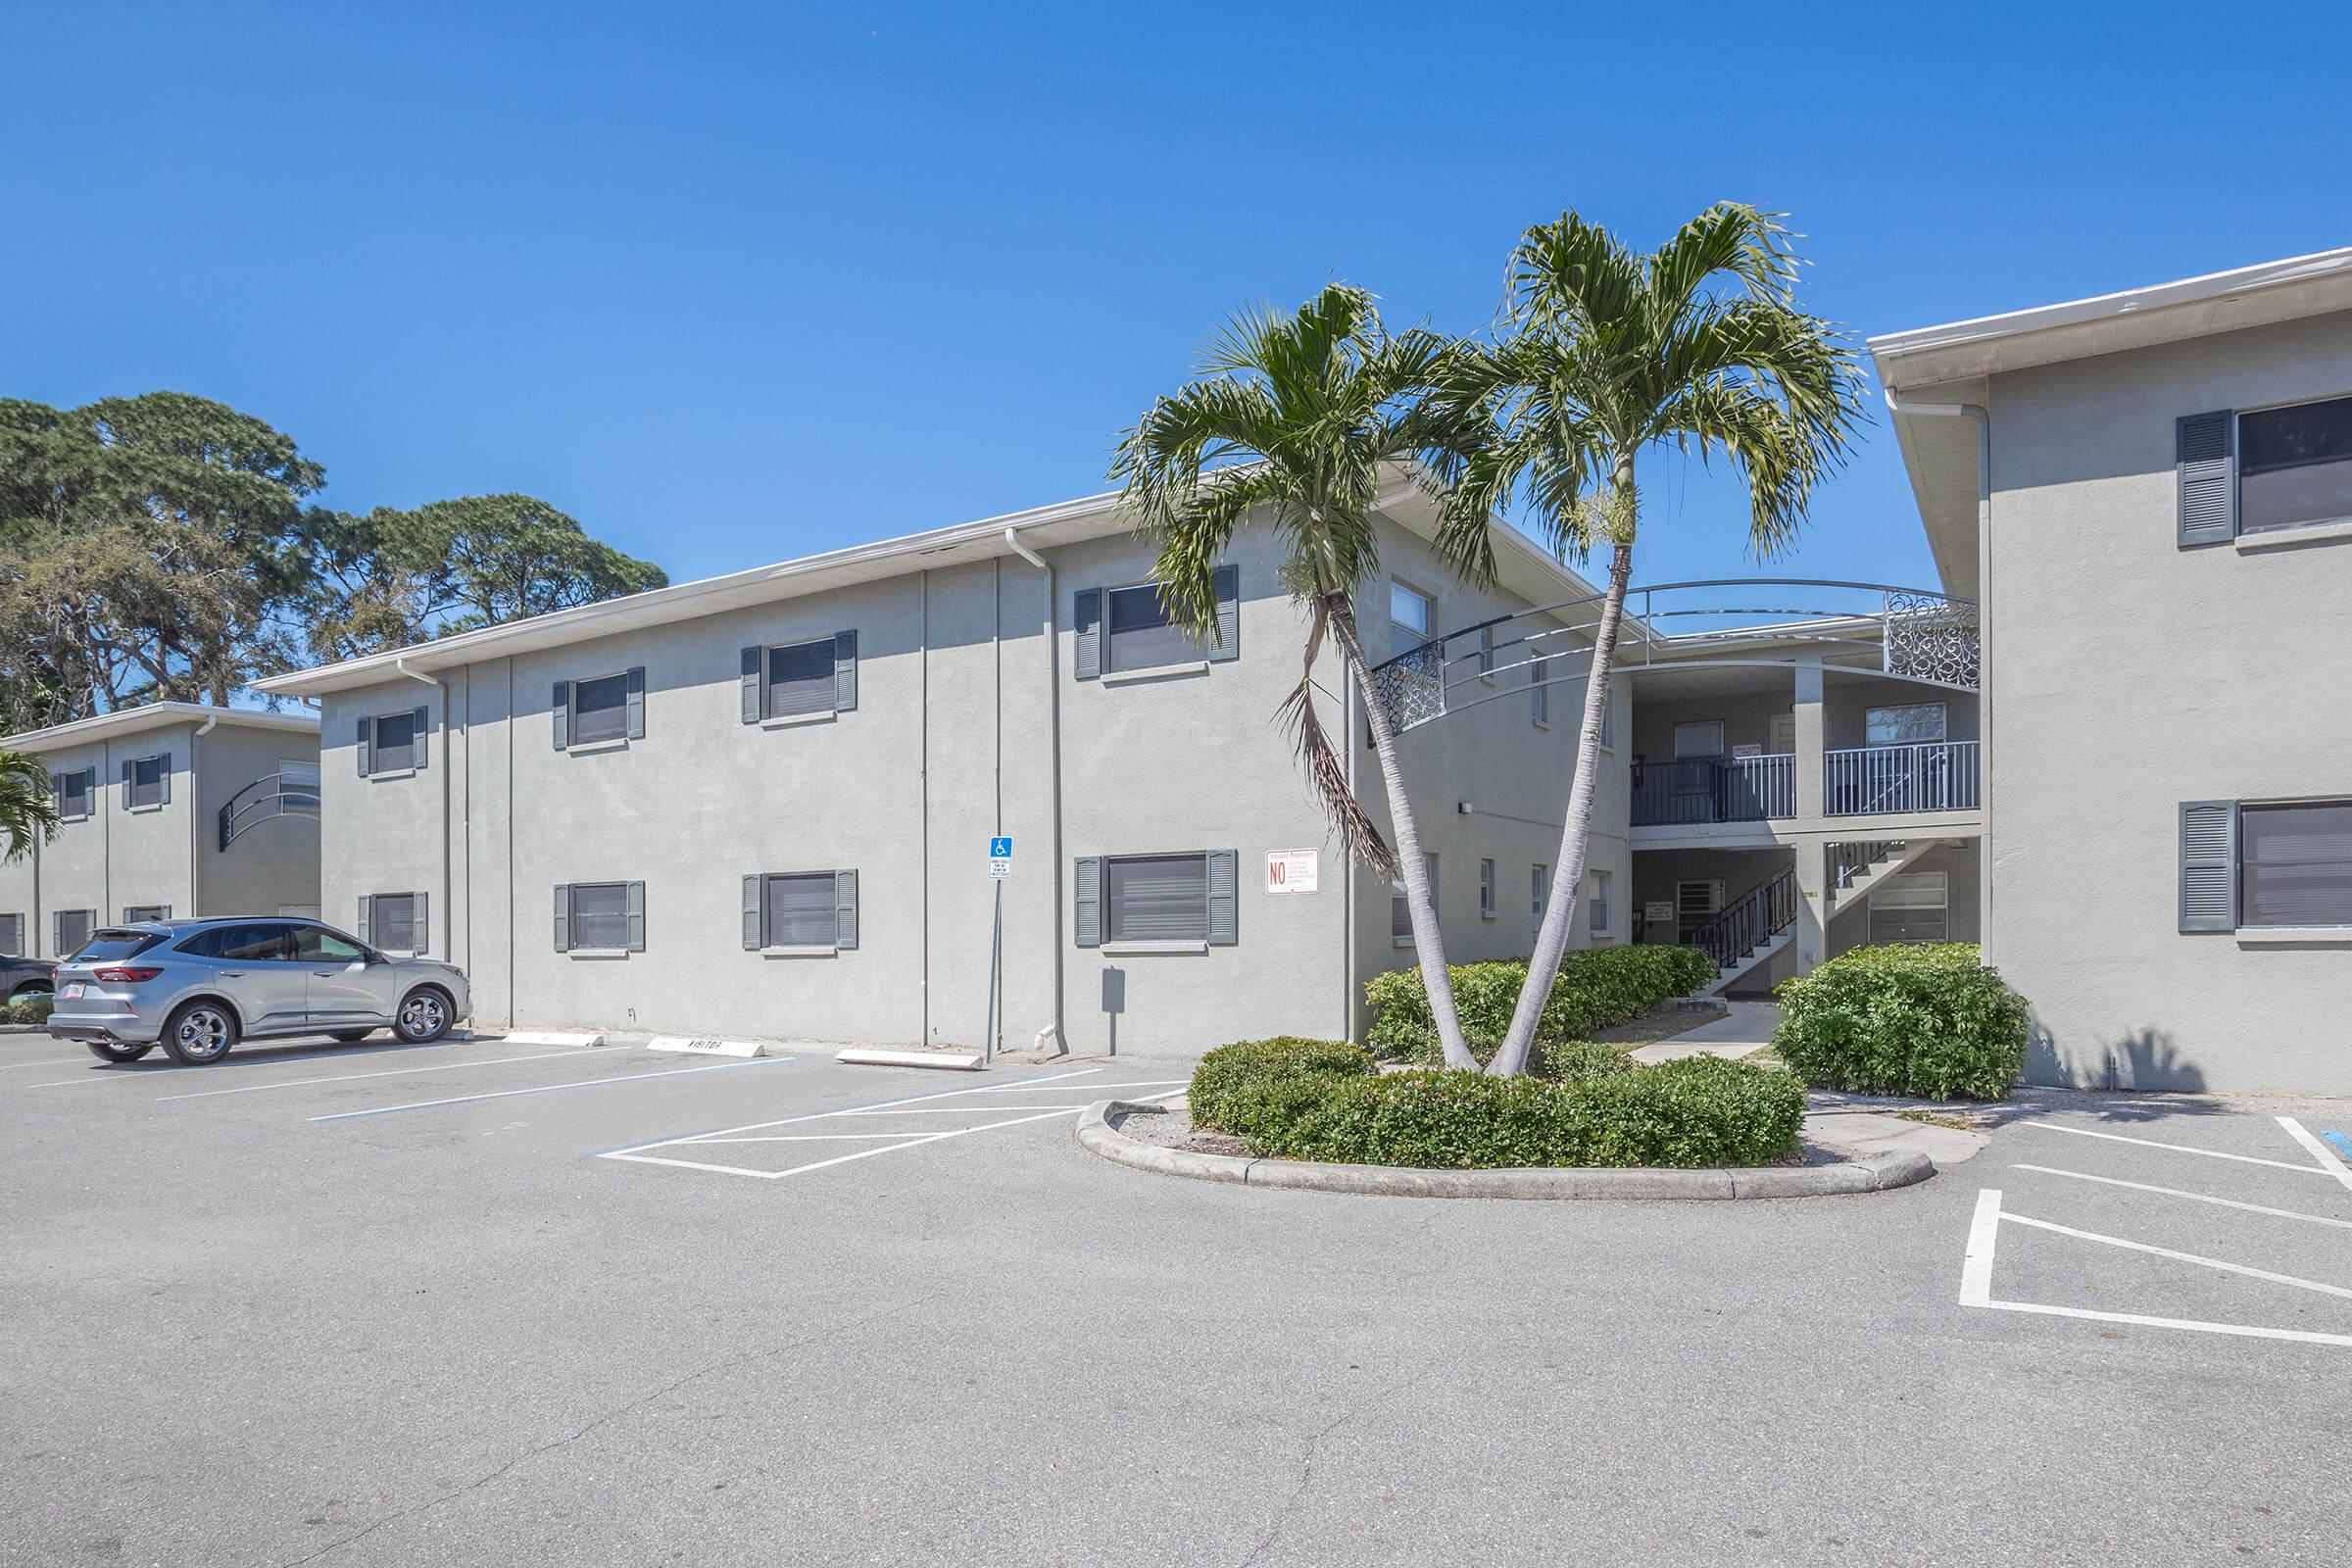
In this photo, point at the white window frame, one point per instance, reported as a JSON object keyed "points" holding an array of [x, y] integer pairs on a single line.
{"points": [[572, 721], [2238, 446], [1113, 669], [1722, 740], [1596, 906], [1416, 635], [162, 784]]}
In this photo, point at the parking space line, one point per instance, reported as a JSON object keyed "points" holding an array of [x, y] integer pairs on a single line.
{"points": [[1984, 1235], [2246, 1331], [2319, 1151], [2179, 1148], [125, 1072], [549, 1089], [2174, 1191], [355, 1077], [818, 1116], [812, 1138], [2179, 1257]]}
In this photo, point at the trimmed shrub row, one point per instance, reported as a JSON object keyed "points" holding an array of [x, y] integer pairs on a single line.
{"points": [[1596, 987], [1906, 1018], [1312, 1100]]}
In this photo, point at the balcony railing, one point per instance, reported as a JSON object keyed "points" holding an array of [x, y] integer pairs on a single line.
{"points": [[1879, 780], [278, 795], [1715, 789]]}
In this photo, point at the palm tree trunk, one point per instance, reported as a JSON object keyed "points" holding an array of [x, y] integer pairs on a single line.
{"points": [[1429, 945], [1576, 834]]}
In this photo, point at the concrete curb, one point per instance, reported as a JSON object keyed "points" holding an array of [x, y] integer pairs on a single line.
{"points": [[23, 1028], [1099, 1131]]}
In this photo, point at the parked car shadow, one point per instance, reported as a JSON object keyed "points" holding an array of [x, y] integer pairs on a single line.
{"points": [[260, 1053]]}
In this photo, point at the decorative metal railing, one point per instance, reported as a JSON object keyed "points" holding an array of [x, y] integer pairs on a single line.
{"points": [[1746, 925], [1876, 780], [1714, 789], [278, 795], [1912, 633], [1851, 861]]}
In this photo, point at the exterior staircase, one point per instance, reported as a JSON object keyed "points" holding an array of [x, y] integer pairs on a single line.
{"points": [[1760, 923], [278, 795]]}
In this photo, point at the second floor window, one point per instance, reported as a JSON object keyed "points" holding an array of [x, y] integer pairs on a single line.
{"points": [[2294, 465], [75, 792], [1906, 724], [392, 743], [1411, 613], [146, 782], [1139, 635]]}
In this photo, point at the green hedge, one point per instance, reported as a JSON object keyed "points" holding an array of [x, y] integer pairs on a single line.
{"points": [[1319, 1100], [1596, 988], [1246, 1088], [1908, 1018], [1695, 1113], [32, 1010]]}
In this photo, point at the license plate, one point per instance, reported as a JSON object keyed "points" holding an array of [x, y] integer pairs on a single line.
{"points": [[72, 991]]}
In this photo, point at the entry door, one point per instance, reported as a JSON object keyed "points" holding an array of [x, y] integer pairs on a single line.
{"points": [[1784, 734]]}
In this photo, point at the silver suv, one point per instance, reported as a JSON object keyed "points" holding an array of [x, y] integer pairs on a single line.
{"points": [[200, 986]]}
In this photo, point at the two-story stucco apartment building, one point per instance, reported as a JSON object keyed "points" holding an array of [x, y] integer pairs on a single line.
{"points": [[2150, 492], [763, 803], [169, 811]]}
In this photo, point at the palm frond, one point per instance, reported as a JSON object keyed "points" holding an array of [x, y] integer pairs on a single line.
{"points": [[28, 805]]}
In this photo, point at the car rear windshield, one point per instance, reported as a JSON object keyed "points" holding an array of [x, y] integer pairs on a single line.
{"points": [[108, 947]]}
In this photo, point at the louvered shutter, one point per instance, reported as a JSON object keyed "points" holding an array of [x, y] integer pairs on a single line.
{"points": [[420, 923], [1226, 580], [366, 923], [366, 747], [636, 709], [162, 769], [562, 918], [2208, 865], [420, 727], [57, 792], [1086, 622], [1085, 902], [751, 694], [559, 709], [632, 908], [1224, 898], [845, 671], [845, 908], [755, 915], [2208, 478]]}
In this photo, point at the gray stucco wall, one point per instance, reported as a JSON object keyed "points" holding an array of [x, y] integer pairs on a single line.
{"points": [[117, 856], [274, 864], [951, 743], [2127, 675]]}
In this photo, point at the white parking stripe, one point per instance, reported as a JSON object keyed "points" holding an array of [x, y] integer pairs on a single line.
{"points": [[355, 1077], [2179, 1148], [2246, 1331], [549, 1089], [2180, 1257], [2320, 1152], [1984, 1235], [2174, 1191]]}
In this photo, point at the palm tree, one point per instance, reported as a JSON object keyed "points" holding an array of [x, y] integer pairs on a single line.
{"points": [[1699, 346], [28, 805], [1291, 423]]}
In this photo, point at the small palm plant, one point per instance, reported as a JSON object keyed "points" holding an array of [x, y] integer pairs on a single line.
{"points": [[1289, 424], [1605, 354], [28, 805]]}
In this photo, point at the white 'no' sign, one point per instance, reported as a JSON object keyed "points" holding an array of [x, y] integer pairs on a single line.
{"points": [[1293, 870]]}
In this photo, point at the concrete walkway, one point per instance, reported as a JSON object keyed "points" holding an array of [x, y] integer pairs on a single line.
{"points": [[1744, 1030]]}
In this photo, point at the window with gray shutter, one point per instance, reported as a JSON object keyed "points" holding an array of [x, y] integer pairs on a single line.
{"points": [[1137, 633], [1086, 633], [395, 744], [12, 935], [74, 928], [600, 708], [2295, 863], [76, 792], [2209, 865], [1155, 898], [2294, 465], [393, 922], [599, 916], [802, 910], [146, 782], [2206, 446], [800, 679]]}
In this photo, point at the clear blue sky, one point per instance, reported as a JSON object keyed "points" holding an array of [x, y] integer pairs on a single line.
{"points": [[732, 283]]}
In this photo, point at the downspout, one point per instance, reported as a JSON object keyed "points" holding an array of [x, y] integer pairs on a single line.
{"points": [[449, 945], [1984, 419], [196, 819], [1012, 541]]}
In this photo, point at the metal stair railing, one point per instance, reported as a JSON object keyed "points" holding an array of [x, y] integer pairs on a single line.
{"points": [[1762, 913], [264, 799]]}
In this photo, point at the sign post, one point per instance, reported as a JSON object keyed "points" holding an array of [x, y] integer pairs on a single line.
{"points": [[999, 871]]}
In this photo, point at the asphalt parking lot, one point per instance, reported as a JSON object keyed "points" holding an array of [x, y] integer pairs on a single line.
{"points": [[483, 1301]]}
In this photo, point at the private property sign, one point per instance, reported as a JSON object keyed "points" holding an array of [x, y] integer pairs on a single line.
{"points": [[1293, 870]]}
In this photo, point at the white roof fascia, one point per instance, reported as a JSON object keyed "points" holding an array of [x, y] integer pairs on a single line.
{"points": [[153, 715]]}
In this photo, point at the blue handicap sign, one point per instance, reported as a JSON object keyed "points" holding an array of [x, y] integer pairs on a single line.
{"points": [[1000, 849]]}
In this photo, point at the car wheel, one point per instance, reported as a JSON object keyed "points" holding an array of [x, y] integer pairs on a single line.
{"points": [[200, 1034], [350, 1037], [108, 1050], [423, 1016]]}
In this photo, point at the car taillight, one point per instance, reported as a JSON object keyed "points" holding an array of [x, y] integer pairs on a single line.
{"points": [[126, 976]]}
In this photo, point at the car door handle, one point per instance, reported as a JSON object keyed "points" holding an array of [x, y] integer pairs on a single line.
{"points": [[232, 974]]}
